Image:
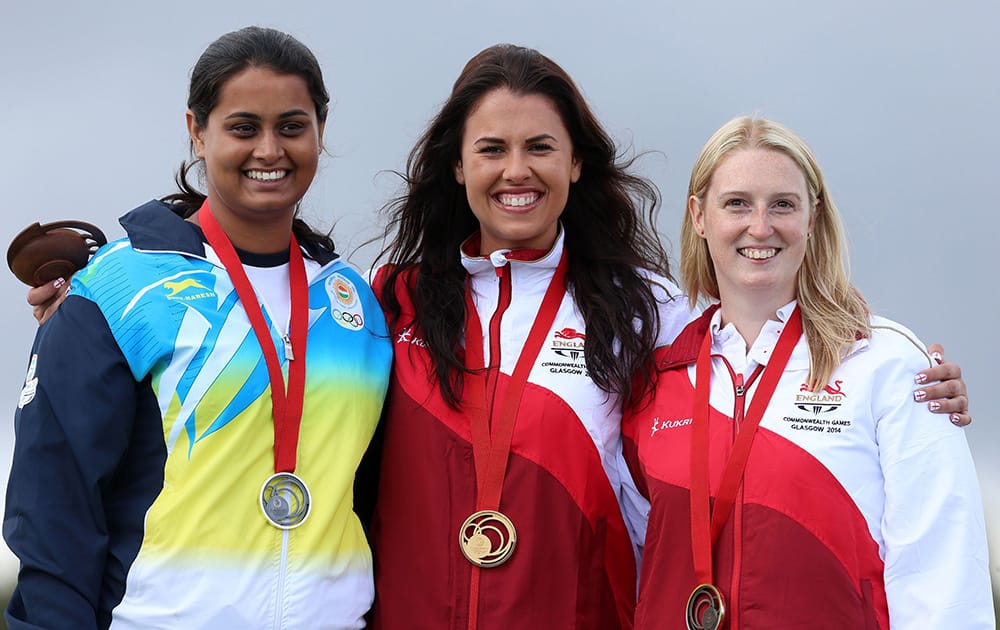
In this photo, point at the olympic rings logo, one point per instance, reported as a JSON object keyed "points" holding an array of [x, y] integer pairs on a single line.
{"points": [[351, 321]]}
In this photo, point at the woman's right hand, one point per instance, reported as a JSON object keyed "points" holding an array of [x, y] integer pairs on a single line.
{"points": [[45, 299]]}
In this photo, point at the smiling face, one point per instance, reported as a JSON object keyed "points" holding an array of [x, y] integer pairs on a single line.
{"points": [[756, 218], [261, 147], [517, 165]]}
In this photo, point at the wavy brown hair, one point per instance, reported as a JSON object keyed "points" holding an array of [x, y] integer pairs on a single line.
{"points": [[608, 221]]}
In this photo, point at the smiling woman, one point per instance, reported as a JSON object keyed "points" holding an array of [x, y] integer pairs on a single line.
{"points": [[262, 161], [526, 289], [169, 469], [792, 480], [517, 164], [756, 218]]}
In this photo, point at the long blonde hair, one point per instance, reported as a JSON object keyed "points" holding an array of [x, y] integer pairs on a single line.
{"points": [[834, 315]]}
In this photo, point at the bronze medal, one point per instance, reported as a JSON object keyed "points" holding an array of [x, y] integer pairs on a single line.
{"points": [[706, 609], [487, 538], [42, 253]]}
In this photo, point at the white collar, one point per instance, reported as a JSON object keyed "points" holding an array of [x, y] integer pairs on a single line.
{"points": [[728, 341], [476, 265]]}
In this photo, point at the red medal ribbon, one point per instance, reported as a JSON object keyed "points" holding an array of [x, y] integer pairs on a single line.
{"points": [[491, 444], [706, 522], [286, 409]]}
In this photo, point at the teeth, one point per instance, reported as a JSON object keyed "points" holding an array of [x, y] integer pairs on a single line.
{"points": [[266, 176], [517, 201], [758, 254]]}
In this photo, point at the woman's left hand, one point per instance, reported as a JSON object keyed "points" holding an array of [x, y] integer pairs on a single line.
{"points": [[947, 396]]}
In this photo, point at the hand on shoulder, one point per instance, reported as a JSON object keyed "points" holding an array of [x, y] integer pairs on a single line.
{"points": [[45, 300]]}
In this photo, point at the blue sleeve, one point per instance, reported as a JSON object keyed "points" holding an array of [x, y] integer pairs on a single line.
{"points": [[72, 429]]}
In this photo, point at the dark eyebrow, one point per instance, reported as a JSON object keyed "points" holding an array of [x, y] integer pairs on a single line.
{"points": [[250, 116], [542, 136], [539, 137]]}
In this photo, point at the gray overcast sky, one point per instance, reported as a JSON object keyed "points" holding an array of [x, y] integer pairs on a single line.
{"points": [[898, 98]]}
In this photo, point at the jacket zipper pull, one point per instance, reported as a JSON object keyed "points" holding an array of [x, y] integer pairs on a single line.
{"points": [[288, 348], [499, 261], [740, 403]]}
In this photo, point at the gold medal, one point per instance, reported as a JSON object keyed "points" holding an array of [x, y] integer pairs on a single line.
{"points": [[706, 610], [487, 538]]}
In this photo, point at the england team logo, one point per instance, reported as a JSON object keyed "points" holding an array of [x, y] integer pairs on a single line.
{"points": [[568, 343], [830, 398]]}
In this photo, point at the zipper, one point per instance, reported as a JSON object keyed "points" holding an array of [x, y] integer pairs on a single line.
{"points": [[279, 598], [504, 297], [740, 388]]}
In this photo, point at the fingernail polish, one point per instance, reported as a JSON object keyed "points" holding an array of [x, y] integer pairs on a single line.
{"points": [[920, 379], [937, 357], [956, 419], [919, 395], [934, 405], [58, 282]]}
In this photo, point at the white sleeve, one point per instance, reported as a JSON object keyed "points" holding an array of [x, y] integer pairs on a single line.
{"points": [[635, 507], [675, 311], [936, 559]]}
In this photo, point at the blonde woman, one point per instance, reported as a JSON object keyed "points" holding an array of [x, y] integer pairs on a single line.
{"points": [[793, 481]]}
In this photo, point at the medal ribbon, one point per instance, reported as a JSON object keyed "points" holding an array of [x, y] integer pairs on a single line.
{"points": [[286, 409], [706, 522], [491, 448], [491, 445]]}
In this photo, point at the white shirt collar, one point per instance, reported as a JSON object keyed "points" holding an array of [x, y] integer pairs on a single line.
{"points": [[728, 341]]}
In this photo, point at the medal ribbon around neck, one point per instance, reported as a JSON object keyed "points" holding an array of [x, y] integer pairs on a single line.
{"points": [[707, 523], [491, 444], [286, 409]]}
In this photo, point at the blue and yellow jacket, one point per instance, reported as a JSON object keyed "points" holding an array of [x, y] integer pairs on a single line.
{"points": [[144, 434]]}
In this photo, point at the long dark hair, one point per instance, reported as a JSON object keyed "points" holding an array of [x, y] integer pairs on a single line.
{"points": [[609, 225], [250, 47]]}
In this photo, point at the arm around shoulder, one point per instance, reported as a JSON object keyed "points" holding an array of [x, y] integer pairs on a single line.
{"points": [[936, 559]]}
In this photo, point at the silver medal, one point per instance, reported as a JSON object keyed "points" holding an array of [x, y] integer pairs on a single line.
{"points": [[285, 501]]}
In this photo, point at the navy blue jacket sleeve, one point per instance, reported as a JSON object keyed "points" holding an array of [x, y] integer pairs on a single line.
{"points": [[72, 430]]}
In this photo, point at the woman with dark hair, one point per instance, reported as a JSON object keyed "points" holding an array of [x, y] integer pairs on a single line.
{"points": [[522, 229], [163, 473]]}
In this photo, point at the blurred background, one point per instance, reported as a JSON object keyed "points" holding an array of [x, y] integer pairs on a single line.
{"points": [[899, 100]]}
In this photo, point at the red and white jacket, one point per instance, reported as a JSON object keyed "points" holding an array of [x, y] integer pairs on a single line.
{"points": [[573, 566], [858, 507]]}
